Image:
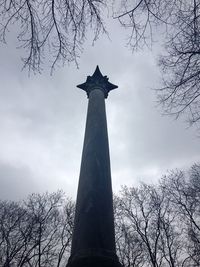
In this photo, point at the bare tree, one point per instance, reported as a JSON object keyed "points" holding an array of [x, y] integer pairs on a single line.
{"points": [[141, 17], [152, 228], [183, 192], [130, 248], [11, 240], [36, 232], [52, 228], [156, 225], [179, 24], [140, 210], [58, 26], [181, 65], [172, 245], [65, 233]]}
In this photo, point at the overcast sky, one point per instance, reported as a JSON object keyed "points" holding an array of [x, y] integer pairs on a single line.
{"points": [[42, 120]]}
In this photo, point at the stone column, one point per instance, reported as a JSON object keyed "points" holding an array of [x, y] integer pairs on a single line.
{"points": [[93, 241]]}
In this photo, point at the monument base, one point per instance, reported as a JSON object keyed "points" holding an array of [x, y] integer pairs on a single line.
{"points": [[94, 258]]}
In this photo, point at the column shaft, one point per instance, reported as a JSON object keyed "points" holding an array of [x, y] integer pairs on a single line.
{"points": [[94, 223]]}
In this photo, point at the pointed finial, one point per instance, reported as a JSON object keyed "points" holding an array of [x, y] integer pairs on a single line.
{"points": [[97, 81], [97, 72]]}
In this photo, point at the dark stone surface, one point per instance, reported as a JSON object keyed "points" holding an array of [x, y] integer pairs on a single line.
{"points": [[97, 80], [93, 241], [91, 258]]}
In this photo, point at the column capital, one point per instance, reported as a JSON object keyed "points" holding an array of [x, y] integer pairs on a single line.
{"points": [[97, 81]]}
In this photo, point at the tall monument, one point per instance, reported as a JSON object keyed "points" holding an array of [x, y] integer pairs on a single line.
{"points": [[93, 240]]}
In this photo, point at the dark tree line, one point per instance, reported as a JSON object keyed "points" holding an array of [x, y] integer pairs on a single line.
{"points": [[36, 232], [160, 225], [156, 225]]}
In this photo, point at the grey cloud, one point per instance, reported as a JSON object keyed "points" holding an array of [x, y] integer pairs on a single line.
{"points": [[16, 181], [42, 121]]}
